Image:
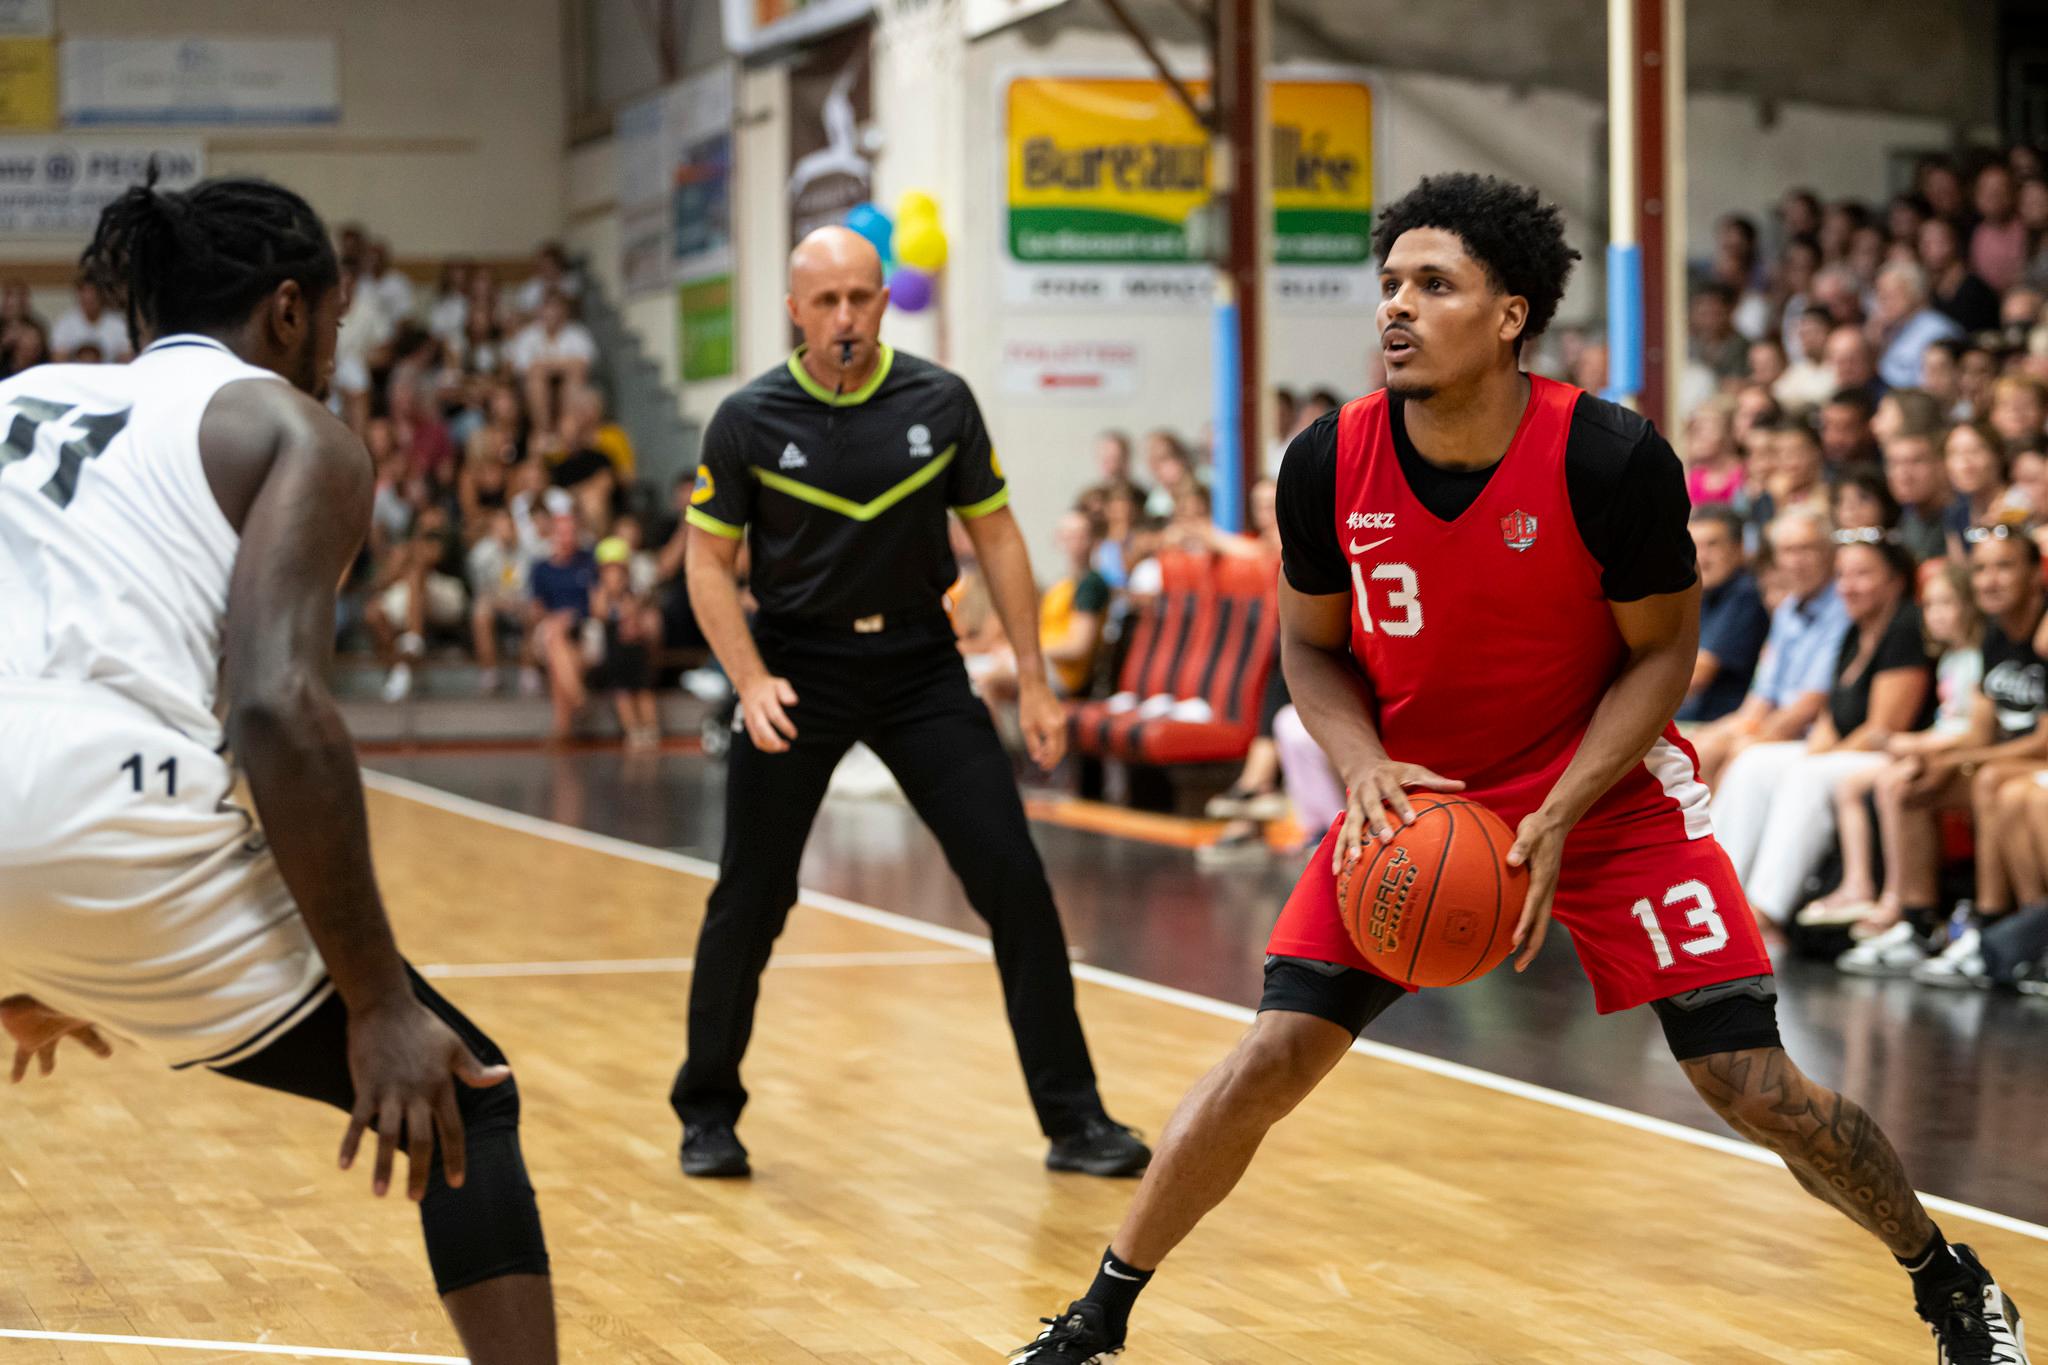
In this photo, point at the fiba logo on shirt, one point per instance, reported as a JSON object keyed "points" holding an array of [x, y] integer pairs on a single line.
{"points": [[1518, 529], [920, 441]]}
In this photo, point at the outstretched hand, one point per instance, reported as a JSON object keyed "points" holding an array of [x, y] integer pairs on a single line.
{"points": [[37, 1030]]}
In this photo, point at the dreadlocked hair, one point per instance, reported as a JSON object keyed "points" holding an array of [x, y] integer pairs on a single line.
{"points": [[1505, 227], [198, 260]]}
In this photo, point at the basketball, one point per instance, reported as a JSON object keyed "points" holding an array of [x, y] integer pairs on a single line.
{"points": [[1437, 904]]}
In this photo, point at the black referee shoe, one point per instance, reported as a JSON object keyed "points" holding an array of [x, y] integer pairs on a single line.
{"points": [[1102, 1147], [714, 1152]]}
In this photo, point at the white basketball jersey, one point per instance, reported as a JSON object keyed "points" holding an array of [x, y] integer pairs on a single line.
{"points": [[114, 556]]}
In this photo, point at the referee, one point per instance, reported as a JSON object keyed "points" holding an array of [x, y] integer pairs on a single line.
{"points": [[837, 470]]}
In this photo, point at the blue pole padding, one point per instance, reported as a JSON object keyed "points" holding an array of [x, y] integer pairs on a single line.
{"points": [[1624, 322], [1227, 461]]}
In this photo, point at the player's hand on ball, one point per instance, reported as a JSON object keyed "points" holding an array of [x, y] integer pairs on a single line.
{"points": [[37, 1029], [1044, 722], [1539, 846], [764, 709], [1376, 804], [405, 1063]]}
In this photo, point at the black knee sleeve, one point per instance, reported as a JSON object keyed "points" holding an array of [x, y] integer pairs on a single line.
{"points": [[1729, 1017], [1345, 996], [491, 1226]]}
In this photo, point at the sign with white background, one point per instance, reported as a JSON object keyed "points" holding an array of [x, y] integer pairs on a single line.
{"points": [[159, 81]]}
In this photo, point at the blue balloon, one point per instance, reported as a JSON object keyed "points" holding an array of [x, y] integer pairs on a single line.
{"points": [[910, 290], [870, 222]]}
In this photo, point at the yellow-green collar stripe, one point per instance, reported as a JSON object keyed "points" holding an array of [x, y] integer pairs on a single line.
{"points": [[884, 359], [847, 507]]}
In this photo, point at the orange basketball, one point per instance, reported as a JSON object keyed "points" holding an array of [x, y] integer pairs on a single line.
{"points": [[1437, 904]]}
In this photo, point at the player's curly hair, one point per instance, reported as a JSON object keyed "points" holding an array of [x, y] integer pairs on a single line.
{"points": [[1506, 227], [199, 259]]}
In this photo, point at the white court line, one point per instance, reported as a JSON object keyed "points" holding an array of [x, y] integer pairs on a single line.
{"points": [[240, 1347], [1131, 985], [626, 966]]}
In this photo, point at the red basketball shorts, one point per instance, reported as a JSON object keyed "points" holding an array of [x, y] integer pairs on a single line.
{"points": [[1647, 922]]}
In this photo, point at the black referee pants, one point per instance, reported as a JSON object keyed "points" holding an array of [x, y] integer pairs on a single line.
{"points": [[904, 693]]}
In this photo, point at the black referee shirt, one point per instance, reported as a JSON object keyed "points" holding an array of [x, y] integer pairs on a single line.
{"points": [[843, 500]]}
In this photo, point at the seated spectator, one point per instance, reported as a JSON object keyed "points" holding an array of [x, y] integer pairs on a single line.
{"points": [[1903, 325], [1172, 470], [1794, 672], [1998, 244], [15, 303], [1774, 805], [2026, 494], [1792, 291], [1113, 461], [1974, 460], [449, 313], [1952, 289], [2019, 408], [559, 588], [1955, 633], [1907, 411], [412, 593], [1713, 467], [498, 574], [393, 290], [552, 355], [480, 348], [1853, 363], [1124, 540], [1794, 480], [1845, 435], [1966, 771], [24, 344], [1073, 610], [1903, 218], [1733, 622], [1714, 342], [1976, 373], [1941, 372], [1767, 361], [502, 436], [1809, 380], [361, 348], [1917, 482], [1859, 501], [625, 629], [551, 275], [88, 323]]}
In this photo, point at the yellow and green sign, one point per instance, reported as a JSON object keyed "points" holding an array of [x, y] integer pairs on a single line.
{"points": [[1117, 172]]}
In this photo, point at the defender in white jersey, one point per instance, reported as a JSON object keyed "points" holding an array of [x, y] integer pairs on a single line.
{"points": [[171, 533]]}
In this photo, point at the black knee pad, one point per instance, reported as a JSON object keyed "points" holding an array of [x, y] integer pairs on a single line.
{"points": [[1345, 996], [491, 1226], [1729, 1017]]}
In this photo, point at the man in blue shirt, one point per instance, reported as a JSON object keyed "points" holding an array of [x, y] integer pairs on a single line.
{"points": [[1906, 325], [1798, 662], [559, 588], [1733, 621]]}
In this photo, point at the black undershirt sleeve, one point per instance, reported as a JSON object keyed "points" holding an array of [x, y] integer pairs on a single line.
{"points": [[1305, 505], [1628, 496]]}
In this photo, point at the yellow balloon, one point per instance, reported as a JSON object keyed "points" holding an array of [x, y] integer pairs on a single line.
{"points": [[916, 204], [921, 244]]}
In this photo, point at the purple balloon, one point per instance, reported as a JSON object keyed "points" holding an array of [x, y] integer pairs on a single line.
{"points": [[910, 290]]}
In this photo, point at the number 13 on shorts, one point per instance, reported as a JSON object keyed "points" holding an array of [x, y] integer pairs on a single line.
{"points": [[1692, 903]]}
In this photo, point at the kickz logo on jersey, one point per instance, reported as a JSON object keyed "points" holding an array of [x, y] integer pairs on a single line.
{"points": [[920, 438], [1369, 521], [1518, 529], [792, 458]]}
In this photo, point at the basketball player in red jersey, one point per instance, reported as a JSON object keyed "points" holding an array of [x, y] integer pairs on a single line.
{"points": [[1488, 588]]}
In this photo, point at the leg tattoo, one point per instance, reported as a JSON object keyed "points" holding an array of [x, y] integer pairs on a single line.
{"points": [[1830, 1145]]}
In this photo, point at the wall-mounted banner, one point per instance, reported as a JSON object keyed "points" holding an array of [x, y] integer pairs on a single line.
{"points": [[1079, 370], [751, 25], [56, 186], [26, 19], [831, 132], [200, 81], [1107, 185], [674, 159], [704, 328], [28, 84]]}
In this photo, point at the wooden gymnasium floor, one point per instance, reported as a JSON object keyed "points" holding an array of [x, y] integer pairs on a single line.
{"points": [[900, 1211]]}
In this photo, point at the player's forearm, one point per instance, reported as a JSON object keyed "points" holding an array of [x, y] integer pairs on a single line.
{"points": [[1638, 705], [1007, 563], [302, 773], [715, 601], [1334, 703]]}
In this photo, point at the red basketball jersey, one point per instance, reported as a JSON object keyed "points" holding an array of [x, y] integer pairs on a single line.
{"points": [[1487, 639]]}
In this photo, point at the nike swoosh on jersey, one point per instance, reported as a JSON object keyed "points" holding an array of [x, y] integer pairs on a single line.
{"points": [[1358, 549]]}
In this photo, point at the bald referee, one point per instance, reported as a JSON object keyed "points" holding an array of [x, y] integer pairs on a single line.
{"points": [[837, 469]]}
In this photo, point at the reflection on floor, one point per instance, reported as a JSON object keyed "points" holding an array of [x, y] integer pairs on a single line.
{"points": [[1959, 1079]]}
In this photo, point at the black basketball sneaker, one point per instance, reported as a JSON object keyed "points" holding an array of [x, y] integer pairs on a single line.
{"points": [[1077, 1337], [1976, 1324]]}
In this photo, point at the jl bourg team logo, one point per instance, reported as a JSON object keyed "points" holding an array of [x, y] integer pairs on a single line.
{"points": [[1518, 529]]}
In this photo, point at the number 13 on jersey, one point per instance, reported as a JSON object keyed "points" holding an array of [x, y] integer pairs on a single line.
{"points": [[1400, 598]]}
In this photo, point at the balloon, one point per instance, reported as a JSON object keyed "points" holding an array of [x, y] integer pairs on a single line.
{"points": [[922, 244], [910, 289], [916, 204], [873, 224]]}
